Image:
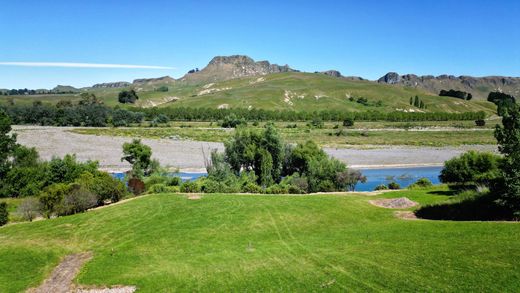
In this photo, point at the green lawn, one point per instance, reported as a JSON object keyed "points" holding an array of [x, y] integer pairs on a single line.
{"points": [[237, 243]]}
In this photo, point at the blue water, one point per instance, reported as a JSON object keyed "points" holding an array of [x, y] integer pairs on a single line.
{"points": [[403, 176]]}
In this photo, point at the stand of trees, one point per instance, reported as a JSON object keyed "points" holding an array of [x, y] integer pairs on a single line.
{"points": [[211, 114], [456, 94], [89, 111], [61, 186]]}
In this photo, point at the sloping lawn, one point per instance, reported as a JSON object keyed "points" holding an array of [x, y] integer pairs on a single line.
{"points": [[230, 243]]}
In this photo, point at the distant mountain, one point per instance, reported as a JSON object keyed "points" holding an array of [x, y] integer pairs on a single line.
{"points": [[64, 89], [150, 81], [223, 68], [479, 87]]}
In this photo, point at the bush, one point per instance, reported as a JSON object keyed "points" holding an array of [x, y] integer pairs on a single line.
{"points": [[4, 214], [51, 198], [480, 122], [155, 179], [394, 185], [161, 118], [158, 188], [348, 122], [381, 187], [276, 189], [471, 167], [103, 186], [77, 200], [128, 97], [190, 187], [421, 183], [232, 121], [29, 209], [251, 187], [174, 181]]}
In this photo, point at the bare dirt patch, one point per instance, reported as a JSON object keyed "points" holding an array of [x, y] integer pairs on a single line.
{"points": [[61, 277], [406, 215], [394, 203], [60, 280], [194, 196]]}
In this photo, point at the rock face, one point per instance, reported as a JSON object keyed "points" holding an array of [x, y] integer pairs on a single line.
{"points": [[479, 87], [118, 84], [333, 73], [144, 81], [390, 77], [230, 67]]}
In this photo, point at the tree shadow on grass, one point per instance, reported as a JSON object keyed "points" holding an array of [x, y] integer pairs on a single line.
{"points": [[444, 192], [478, 208]]}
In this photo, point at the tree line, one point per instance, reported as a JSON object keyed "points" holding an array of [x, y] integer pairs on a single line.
{"points": [[210, 114], [456, 94]]}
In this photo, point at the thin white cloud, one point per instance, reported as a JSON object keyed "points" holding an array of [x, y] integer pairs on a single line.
{"points": [[82, 65]]}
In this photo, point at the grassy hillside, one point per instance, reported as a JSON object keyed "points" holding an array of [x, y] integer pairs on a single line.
{"points": [[164, 243], [290, 91]]}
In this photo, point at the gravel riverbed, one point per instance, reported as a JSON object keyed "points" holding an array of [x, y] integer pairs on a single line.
{"points": [[188, 155]]}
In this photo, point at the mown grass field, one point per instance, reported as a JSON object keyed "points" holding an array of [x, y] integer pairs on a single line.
{"points": [[324, 137], [305, 92], [230, 243]]}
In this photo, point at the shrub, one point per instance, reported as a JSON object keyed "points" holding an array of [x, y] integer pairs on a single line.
{"points": [[174, 181], [421, 183], [190, 187], [127, 97], [394, 185], [104, 186], [296, 184], [77, 200], [276, 189], [232, 121], [381, 187], [158, 188], [51, 198], [4, 214], [161, 118], [480, 122], [29, 209], [471, 167], [251, 187], [348, 122], [155, 178]]}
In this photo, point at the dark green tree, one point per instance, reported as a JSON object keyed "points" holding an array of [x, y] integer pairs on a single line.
{"points": [[4, 214], [139, 156], [7, 144], [508, 137], [416, 102]]}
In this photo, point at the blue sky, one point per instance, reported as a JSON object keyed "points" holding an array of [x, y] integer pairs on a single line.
{"points": [[364, 38]]}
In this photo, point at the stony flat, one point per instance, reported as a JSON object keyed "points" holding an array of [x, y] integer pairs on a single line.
{"points": [[189, 155]]}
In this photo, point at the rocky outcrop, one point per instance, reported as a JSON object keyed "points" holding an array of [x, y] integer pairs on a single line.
{"points": [[390, 77], [118, 84], [158, 80], [222, 68], [333, 73], [479, 87]]}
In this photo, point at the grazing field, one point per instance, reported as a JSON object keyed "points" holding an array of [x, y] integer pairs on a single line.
{"points": [[168, 242], [329, 137]]}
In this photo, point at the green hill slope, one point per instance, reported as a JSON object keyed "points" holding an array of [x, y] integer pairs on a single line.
{"points": [[166, 243], [288, 91]]}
